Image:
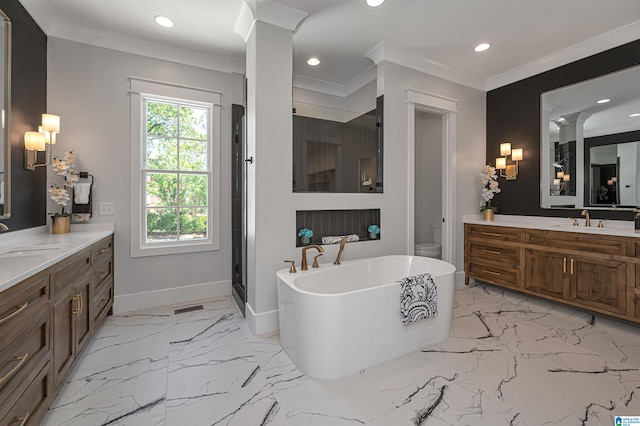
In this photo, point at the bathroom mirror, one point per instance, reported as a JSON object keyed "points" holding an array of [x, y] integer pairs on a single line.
{"points": [[612, 177], [337, 141], [5, 109], [575, 121]]}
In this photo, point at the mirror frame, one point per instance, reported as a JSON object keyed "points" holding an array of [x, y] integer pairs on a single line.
{"points": [[6, 212]]}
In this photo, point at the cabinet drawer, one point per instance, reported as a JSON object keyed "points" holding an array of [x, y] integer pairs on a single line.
{"points": [[102, 271], [495, 274], [102, 301], [31, 405], [21, 358], [20, 305], [579, 242], [494, 253], [67, 274], [102, 250], [494, 233]]}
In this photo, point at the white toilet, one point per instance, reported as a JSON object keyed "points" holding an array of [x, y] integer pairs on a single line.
{"points": [[431, 249]]}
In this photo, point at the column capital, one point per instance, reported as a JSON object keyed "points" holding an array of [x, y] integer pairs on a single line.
{"points": [[267, 11]]}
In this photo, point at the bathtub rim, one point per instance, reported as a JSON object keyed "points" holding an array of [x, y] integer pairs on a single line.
{"points": [[289, 278]]}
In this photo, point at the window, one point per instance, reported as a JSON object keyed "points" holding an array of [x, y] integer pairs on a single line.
{"points": [[175, 169]]}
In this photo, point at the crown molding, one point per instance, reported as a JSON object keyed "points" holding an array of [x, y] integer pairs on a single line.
{"points": [[109, 40], [342, 90], [267, 11], [41, 12], [606, 41], [385, 51]]}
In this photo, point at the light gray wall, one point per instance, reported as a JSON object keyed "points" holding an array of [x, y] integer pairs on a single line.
{"points": [[89, 88], [393, 81]]}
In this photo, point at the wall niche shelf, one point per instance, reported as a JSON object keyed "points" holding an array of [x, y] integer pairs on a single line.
{"points": [[325, 223]]}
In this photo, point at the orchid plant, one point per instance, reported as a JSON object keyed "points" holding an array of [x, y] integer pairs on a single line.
{"points": [[489, 187], [65, 168]]}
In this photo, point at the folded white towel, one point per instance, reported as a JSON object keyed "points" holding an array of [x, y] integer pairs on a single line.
{"points": [[418, 298], [334, 240], [81, 193]]}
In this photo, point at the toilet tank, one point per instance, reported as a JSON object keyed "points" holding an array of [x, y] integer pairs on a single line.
{"points": [[437, 234]]}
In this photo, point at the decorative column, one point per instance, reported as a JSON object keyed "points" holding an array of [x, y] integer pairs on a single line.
{"points": [[267, 28]]}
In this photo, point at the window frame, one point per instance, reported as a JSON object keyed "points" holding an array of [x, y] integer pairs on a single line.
{"points": [[141, 91]]}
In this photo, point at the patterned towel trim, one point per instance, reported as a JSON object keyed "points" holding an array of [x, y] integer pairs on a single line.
{"points": [[418, 298]]}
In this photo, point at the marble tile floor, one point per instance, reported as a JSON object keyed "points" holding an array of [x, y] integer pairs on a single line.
{"points": [[510, 360]]}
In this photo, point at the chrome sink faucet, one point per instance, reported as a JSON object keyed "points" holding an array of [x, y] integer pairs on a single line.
{"points": [[586, 214], [305, 265], [3, 227]]}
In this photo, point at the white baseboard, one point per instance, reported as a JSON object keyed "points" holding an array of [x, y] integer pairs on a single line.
{"points": [[458, 279], [262, 324], [170, 296]]}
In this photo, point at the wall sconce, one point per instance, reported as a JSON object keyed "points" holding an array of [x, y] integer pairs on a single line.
{"points": [[510, 170], [41, 141]]}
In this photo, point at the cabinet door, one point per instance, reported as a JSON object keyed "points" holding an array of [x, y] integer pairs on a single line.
{"points": [[64, 323], [83, 312], [599, 283], [545, 273]]}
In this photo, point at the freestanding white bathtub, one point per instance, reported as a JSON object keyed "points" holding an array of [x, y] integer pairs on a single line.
{"points": [[336, 320]]}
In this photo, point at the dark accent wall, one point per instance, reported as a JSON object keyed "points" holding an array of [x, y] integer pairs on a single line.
{"points": [[513, 115], [336, 153], [28, 102], [326, 223]]}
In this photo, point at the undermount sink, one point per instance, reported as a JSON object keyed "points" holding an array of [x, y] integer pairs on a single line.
{"points": [[34, 250]]}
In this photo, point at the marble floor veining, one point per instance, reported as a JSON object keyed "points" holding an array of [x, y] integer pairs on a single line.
{"points": [[510, 360]]}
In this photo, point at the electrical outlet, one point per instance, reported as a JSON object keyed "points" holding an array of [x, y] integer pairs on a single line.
{"points": [[107, 209]]}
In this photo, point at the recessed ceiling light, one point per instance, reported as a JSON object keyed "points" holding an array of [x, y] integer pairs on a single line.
{"points": [[603, 101], [313, 61], [635, 115], [163, 21], [374, 3], [482, 47]]}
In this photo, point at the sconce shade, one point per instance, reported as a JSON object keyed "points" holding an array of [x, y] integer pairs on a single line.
{"points": [[556, 181], [50, 123], [614, 179], [34, 141], [560, 174], [501, 163], [516, 154], [505, 149], [566, 178]]}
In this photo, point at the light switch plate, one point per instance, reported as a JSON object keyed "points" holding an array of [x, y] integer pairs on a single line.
{"points": [[107, 209]]}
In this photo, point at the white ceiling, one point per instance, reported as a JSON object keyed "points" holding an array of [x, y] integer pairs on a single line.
{"points": [[527, 36]]}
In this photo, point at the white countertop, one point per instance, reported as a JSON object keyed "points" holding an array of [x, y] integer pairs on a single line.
{"points": [[27, 252], [621, 228]]}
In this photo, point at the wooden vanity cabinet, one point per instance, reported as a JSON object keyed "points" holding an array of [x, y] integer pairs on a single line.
{"points": [[45, 323], [102, 279], [493, 254], [591, 271], [25, 350]]}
